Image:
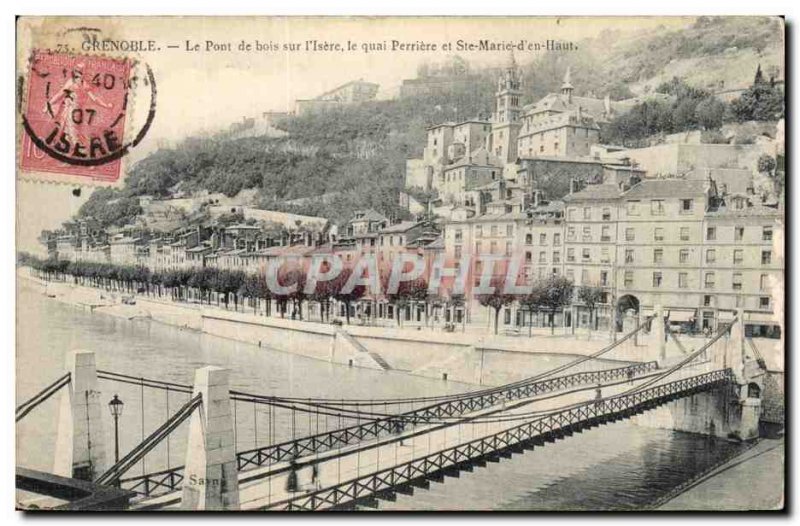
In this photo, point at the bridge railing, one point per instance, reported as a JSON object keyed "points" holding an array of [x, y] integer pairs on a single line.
{"points": [[548, 428], [391, 425], [165, 481]]}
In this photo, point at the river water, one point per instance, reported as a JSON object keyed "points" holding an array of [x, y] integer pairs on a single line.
{"points": [[616, 467]]}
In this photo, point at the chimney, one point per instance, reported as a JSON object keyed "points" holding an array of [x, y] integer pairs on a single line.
{"points": [[536, 198], [572, 186]]}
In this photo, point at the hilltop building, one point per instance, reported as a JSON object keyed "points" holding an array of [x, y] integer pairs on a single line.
{"points": [[350, 93]]}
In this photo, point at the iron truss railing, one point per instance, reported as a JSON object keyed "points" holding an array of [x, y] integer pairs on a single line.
{"points": [[160, 482], [403, 478], [452, 408]]}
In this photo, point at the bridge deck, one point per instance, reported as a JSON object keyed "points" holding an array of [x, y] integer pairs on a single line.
{"points": [[267, 487]]}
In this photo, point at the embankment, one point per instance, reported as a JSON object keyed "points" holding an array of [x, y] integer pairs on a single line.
{"points": [[487, 360]]}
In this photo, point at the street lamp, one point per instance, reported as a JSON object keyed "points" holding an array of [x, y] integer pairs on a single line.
{"points": [[115, 406]]}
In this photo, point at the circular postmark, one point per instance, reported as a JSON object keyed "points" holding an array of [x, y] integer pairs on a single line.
{"points": [[78, 113]]}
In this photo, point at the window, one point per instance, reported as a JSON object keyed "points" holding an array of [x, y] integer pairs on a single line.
{"points": [[606, 214], [737, 281], [587, 233], [763, 282], [628, 279], [604, 255], [494, 230], [628, 255], [557, 239], [686, 205], [711, 233], [571, 275], [706, 301], [766, 257], [509, 230], [633, 208], [508, 248], [683, 255], [493, 247], [738, 256], [458, 252], [542, 239], [684, 233], [658, 255], [657, 279], [766, 233], [528, 239], [458, 236], [528, 256], [571, 233], [542, 257], [738, 233], [605, 234], [683, 280], [571, 214], [763, 302], [603, 278], [556, 257], [629, 234], [711, 255], [478, 247], [586, 255], [571, 255], [657, 207], [710, 280], [584, 277], [587, 213], [658, 234], [478, 231]]}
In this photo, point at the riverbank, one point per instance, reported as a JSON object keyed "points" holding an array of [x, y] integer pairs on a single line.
{"points": [[476, 359], [749, 482]]}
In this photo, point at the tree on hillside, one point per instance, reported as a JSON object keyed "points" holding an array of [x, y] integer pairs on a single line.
{"points": [[763, 101]]}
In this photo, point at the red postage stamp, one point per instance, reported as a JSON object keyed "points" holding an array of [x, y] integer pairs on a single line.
{"points": [[75, 116]]}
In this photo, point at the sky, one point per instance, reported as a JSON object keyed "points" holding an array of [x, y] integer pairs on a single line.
{"points": [[206, 91]]}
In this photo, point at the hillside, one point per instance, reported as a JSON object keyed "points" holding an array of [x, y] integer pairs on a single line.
{"points": [[358, 153]]}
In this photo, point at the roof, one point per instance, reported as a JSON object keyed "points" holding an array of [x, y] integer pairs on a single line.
{"points": [[595, 192], [369, 215], [403, 226], [749, 211], [665, 188], [558, 102], [436, 244]]}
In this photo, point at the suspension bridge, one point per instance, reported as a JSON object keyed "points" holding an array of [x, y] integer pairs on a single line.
{"points": [[338, 454]]}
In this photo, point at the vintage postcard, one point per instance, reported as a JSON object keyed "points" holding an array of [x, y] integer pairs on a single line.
{"points": [[400, 264]]}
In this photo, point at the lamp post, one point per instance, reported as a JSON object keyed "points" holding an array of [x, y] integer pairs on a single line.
{"points": [[115, 406]]}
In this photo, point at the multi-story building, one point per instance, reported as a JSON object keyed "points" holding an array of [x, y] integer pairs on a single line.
{"points": [[681, 244], [591, 242]]}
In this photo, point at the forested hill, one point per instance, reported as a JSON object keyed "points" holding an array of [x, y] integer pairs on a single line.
{"points": [[359, 152]]}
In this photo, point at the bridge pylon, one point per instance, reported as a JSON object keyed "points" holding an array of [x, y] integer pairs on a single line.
{"points": [[658, 337], [211, 478], [80, 443]]}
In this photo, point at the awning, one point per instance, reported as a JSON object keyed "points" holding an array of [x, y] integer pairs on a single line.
{"points": [[766, 318], [678, 316], [726, 315]]}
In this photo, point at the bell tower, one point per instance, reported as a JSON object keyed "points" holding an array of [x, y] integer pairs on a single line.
{"points": [[506, 119]]}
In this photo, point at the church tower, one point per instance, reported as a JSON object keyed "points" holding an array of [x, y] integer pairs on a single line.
{"points": [[506, 119], [566, 87]]}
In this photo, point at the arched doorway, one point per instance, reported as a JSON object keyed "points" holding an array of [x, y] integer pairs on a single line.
{"points": [[626, 303]]}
